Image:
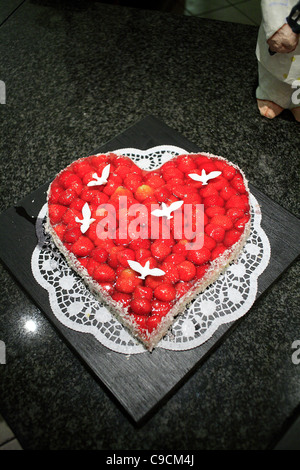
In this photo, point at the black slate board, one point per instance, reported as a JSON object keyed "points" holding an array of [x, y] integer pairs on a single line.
{"points": [[141, 382]]}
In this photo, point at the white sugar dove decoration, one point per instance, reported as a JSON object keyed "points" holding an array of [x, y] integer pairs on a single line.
{"points": [[100, 180], [166, 211], [87, 220], [145, 270], [204, 178]]}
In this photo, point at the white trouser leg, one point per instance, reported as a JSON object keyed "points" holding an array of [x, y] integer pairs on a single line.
{"points": [[272, 89]]}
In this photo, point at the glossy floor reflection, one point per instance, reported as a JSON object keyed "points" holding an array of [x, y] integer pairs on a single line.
{"points": [[7, 438], [236, 11]]}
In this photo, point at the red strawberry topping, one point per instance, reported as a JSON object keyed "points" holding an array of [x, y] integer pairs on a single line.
{"points": [[124, 255], [182, 288], [142, 292], [237, 202], [218, 251], [199, 256], [160, 249], [222, 220], [56, 213], [186, 163], [186, 270], [165, 292], [160, 308], [104, 273], [231, 237], [215, 231], [171, 272], [82, 247], [143, 191], [60, 231], [122, 298], [99, 254], [127, 281], [107, 287], [201, 270], [54, 194], [71, 234], [240, 223], [141, 306], [106, 253]]}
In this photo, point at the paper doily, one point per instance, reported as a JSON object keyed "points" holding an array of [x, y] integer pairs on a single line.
{"points": [[226, 300]]}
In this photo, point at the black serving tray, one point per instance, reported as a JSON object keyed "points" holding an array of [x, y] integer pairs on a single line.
{"points": [[140, 382]]}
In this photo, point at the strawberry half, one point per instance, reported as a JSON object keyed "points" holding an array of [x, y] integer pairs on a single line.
{"points": [[91, 216]]}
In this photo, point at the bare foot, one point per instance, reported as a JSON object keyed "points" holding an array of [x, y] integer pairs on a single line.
{"points": [[296, 113], [269, 109]]}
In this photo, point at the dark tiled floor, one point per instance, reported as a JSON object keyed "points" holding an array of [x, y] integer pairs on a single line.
{"points": [[237, 11]]}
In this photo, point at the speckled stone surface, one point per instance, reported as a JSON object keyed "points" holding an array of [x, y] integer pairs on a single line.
{"points": [[77, 74]]}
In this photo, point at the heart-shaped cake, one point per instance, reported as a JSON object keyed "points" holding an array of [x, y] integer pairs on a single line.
{"points": [[146, 243]]}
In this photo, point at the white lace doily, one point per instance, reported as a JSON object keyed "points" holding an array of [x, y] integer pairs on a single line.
{"points": [[228, 299]]}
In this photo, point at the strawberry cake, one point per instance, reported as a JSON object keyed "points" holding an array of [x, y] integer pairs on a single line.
{"points": [[102, 211]]}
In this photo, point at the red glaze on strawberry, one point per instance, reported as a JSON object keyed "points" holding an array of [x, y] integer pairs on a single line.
{"points": [[124, 255], [186, 270], [71, 234], [141, 306], [60, 230], [201, 270], [231, 237], [56, 213], [55, 193], [182, 288], [216, 232], [218, 251], [100, 254], [127, 281], [104, 273], [222, 220], [147, 300], [142, 292], [160, 249], [198, 257], [165, 292], [240, 223], [143, 191], [122, 298], [160, 308], [82, 247]]}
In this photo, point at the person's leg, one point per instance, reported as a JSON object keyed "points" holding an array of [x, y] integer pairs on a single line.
{"points": [[268, 108], [273, 95]]}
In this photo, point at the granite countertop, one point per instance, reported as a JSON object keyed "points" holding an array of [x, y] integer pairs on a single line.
{"points": [[77, 74]]}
